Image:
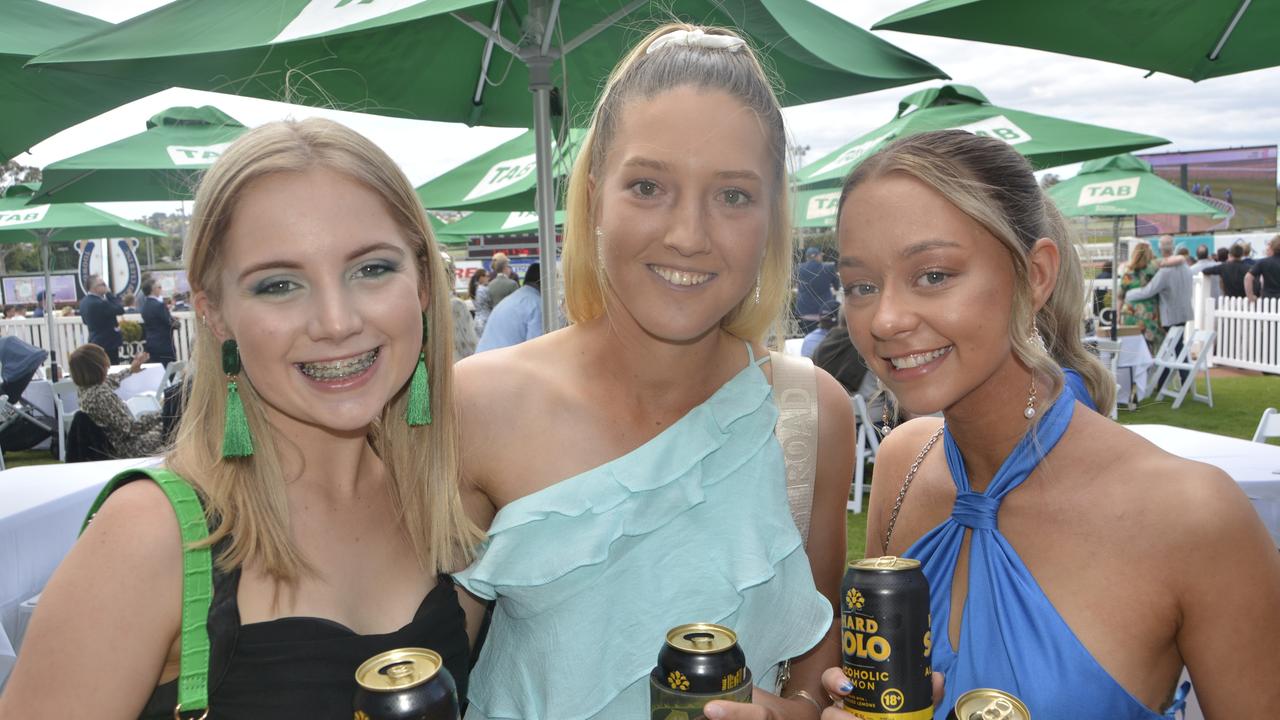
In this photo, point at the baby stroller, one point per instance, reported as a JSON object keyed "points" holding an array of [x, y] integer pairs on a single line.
{"points": [[22, 425]]}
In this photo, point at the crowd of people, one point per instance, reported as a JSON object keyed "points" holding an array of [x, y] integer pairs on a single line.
{"points": [[581, 492]]}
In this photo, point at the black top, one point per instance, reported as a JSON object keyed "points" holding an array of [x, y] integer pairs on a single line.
{"points": [[1232, 273], [1268, 268], [302, 667]]}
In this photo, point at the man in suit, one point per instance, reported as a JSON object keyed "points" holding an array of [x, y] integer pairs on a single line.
{"points": [[157, 324], [99, 310]]}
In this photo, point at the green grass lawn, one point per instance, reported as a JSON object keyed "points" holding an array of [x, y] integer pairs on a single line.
{"points": [[1238, 402]]}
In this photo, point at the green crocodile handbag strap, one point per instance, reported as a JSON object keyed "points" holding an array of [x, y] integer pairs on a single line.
{"points": [[197, 582]]}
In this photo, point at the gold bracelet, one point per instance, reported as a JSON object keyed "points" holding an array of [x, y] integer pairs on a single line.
{"points": [[806, 696]]}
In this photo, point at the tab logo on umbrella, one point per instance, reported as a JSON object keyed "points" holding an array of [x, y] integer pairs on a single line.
{"points": [[824, 205], [22, 216], [519, 219], [1109, 191], [322, 16], [503, 174], [853, 154], [191, 155], [1000, 128]]}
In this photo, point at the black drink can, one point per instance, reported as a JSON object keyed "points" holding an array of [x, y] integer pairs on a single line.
{"points": [[699, 662], [989, 704], [886, 639], [406, 684]]}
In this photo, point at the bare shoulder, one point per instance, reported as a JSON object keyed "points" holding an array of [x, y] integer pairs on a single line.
{"points": [[835, 411], [139, 520], [109, 615], [901, 446], [1192, 503], [498, 390]]}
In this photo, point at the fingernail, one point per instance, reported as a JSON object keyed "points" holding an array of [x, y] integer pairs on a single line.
{"points": [[713, 712], [846, 687]]}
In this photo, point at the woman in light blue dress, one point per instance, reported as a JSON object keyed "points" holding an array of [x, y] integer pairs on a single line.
{"points": [[626, 467], [1070, 562]]}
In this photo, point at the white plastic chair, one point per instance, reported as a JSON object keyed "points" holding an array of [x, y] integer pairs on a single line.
{"points": [[1167, 352], [66, 403], [173, 373], [868, 444], [1194, 359], [1112, 361], [1268, 426]]}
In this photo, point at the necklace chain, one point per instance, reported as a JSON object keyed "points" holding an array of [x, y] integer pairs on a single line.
{"points": [[906, 483]]}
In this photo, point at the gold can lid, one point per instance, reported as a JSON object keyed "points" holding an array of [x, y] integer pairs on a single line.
{"points": [[398, 669], [701, 638], [885, 562], [990, 704]]}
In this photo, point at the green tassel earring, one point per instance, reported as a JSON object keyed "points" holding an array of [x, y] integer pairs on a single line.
{"points": [[420, 386], [236, 441]]}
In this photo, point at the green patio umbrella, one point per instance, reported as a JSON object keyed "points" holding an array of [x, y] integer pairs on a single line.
{"points": [[497, 223], [37, 104], [815, 208], [22, 222], [501, 179], [1122, 186], [162, 163], [436, 59], [1193, 39], [1045, 141]]}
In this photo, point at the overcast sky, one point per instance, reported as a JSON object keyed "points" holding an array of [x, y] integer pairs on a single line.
{"points": [[1224, 112]]}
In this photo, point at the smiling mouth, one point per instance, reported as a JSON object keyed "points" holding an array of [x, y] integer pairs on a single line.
{"points": [[906, 362], [683, 278], [339, 369]]}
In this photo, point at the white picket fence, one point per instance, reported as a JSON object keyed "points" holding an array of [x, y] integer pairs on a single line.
{"points": [[70, 333], [1248, 333]]}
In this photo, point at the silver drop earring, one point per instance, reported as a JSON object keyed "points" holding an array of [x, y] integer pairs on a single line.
{"points": [[600, 247], [757, 293], [1030, 411]]}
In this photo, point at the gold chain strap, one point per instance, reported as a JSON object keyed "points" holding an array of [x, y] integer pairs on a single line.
{"points": [[906, 483]]}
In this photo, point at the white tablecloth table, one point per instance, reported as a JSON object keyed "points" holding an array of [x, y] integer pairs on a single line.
{"points": [[1135, 361], [41, 510], [145, 380], [1254, 466]]}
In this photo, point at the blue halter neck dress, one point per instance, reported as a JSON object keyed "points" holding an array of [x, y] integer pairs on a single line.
{"points": [[1011, 636], [591, 572]]}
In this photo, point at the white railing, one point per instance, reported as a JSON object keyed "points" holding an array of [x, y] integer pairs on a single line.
{"points": [[70, 333], [1248, 333]]}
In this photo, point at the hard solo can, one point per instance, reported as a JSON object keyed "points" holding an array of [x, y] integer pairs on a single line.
{"points": [[887, 641], [699, 662], [405, 684], [989, 704]]}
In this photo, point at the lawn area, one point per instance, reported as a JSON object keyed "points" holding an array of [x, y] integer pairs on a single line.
{"points": [[1238, 402]]}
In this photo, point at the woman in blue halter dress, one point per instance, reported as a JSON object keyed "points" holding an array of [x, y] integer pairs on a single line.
{"points": [[627, 467], [1070, 562]]}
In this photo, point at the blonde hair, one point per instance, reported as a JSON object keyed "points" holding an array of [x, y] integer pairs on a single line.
{"points": [[245, 497], [1141, 256], [992, 183], [641, 76]]}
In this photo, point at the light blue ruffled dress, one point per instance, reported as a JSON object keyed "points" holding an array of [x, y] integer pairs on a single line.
{"points": [[591, 572]]}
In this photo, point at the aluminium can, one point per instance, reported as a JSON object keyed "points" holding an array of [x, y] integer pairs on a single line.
{"points": [[698, 663], [989, 704], [405, 684], [886, 639]]}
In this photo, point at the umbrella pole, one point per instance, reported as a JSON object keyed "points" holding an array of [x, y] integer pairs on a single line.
{"points": [[1115, 277], [540, 85], [48, 295]]}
